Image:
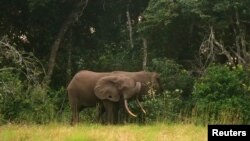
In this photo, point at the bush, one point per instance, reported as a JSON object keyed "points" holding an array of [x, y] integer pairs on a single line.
{"points": [[39, 107], [177, 84], [10, 95], [173, 76], [165, 107], [20, 103], [222, 95], [22, 95]]}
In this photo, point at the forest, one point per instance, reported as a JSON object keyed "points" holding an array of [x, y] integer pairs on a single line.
{"points": [[200, 48]]}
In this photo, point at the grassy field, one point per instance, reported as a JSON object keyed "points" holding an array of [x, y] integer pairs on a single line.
{"points": [[96, 132]]}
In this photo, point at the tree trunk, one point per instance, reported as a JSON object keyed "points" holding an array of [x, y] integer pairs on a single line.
{"points": [[241, 41], [145, 53], [130, 29], [237, 38], [69, 64], [73, 17]]}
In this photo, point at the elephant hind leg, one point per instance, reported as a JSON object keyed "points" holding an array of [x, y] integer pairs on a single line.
{"points": [[75, 109], [75, 114]]}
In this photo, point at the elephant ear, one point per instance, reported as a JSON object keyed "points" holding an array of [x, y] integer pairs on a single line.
{"points": [[123, 82], [106, 88]]}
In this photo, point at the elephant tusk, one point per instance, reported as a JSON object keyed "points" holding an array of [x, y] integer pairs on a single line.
{"points": [[126, 106], [138, 102]]}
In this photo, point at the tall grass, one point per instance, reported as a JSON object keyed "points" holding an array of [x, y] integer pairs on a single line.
{"points": [[96, 132]]}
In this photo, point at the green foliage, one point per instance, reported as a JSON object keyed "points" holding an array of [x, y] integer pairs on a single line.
{"points": [[33, 4], [173, 75], [111, 57], [18, 104], [165, 107], [10, 95], [158, 14], [222, 95], [174, 29], [26, 64], [168, 105], [38, 107], [23, 97]]}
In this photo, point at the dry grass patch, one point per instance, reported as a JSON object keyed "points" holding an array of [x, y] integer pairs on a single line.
{"points": [[96, 132]]}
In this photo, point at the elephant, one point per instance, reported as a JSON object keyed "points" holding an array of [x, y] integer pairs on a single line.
{"points": [[81, 91], [112, 90]]}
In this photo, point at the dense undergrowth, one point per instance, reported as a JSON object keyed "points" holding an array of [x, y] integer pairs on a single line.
{"points": [[220, 95]]}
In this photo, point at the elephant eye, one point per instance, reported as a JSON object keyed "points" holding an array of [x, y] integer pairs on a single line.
{"points": [[109, 96]]}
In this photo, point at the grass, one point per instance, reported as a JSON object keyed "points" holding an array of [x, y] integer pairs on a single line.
{"points": [[96, 132]]}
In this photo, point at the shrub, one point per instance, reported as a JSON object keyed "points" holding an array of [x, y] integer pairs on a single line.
{"points": [[21, 104], [173, 76], [165, 107], [168, 105], [38, 108], [22, 95], [10, 95], [222, 95]]}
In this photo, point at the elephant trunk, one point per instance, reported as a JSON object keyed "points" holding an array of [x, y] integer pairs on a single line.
{"points": [[135, 91], [137, 87], [128, 110], [128, 94]]}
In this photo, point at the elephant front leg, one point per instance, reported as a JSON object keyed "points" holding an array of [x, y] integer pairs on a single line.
{"points": [[101, 113], [111, 111], [122, 116]]}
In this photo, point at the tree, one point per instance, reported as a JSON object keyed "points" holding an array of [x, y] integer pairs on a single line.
{"points": [[73, 16], [224, 18]]}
